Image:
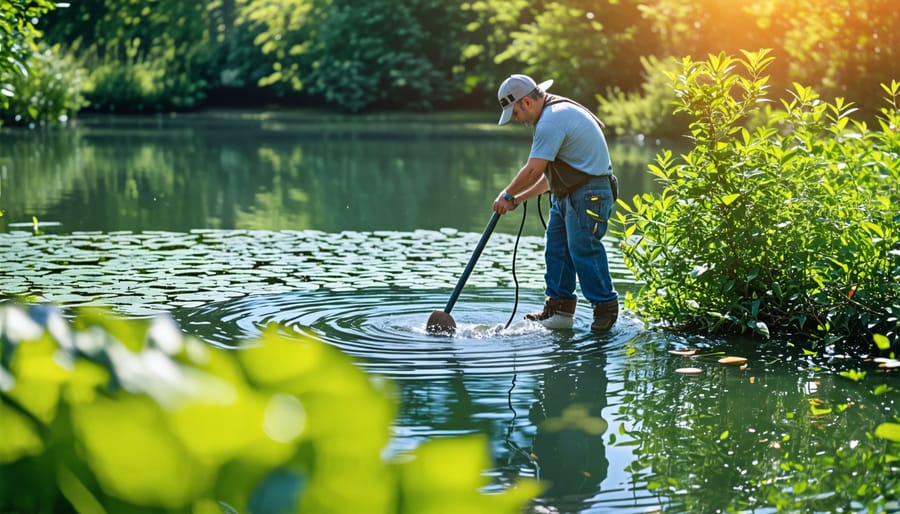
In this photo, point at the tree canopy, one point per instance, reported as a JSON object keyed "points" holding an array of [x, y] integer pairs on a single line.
{"points": [[426, 54], [18, 31]]}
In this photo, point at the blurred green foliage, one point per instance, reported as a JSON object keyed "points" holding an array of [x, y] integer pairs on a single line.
{"points": [[50, 93], [791, 226], [100, 414], [425, 54], [18, 34], [648, 112], [140, 56], [357, 56]]}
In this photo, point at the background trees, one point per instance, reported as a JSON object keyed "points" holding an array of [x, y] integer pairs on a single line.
{"points": [[18, 31], [426, 54], [356, 56]]}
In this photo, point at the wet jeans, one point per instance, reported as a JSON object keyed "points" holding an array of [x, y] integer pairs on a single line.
{"points": [[575, 246]]}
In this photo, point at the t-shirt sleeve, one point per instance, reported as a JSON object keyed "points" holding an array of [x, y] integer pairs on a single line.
{"points": [[548, 139]]}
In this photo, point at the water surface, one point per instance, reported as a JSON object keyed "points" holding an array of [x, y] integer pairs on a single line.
{"points": [[354, 231]]}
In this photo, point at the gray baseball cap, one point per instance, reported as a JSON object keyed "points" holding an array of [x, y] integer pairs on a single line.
{"points": [[513, 89]]}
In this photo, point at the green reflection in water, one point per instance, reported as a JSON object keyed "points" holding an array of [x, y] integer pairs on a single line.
{"points": [[297, 172], [785, 433]]}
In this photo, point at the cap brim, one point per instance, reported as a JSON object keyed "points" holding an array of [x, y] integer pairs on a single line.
{"points": [[506, 115], [545, 85]]}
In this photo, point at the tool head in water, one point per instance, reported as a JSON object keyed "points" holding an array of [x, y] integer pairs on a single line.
{"points": [[440, 323]]}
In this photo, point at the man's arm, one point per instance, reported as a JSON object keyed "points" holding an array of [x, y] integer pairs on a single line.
{"points": [[527, 183]]}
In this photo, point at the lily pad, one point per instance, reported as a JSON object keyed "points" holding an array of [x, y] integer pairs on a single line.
{"points": [[732, 360]]}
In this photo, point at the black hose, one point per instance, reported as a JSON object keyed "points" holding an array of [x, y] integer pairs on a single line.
{"points": [[540, 212], [515, 251]]}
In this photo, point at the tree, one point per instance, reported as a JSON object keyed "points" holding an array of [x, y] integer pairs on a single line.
{"points": [[18, 32], [143, 56], [356, 56]]}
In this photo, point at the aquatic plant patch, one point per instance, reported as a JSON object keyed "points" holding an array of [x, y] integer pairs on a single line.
{"points": [[141, 274]]}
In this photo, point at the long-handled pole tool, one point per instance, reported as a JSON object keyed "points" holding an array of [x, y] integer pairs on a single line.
{"points": [[441, 322]]}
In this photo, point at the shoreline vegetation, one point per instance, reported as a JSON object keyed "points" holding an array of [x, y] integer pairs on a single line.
{"points": [[108, 56]]}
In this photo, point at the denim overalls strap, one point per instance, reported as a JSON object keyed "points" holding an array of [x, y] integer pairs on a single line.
{"points": [[563, 178]]}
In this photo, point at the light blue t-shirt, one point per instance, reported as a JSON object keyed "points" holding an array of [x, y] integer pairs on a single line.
{"points": [[568, 132]]}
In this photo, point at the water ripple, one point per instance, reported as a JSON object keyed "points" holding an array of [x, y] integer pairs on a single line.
{"points": [[385, 329]]}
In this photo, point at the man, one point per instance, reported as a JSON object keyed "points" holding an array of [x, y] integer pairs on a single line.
{"points": [[569, 157]]}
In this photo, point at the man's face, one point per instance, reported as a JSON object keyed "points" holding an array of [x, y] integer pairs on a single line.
{"points": [[524, 111]]}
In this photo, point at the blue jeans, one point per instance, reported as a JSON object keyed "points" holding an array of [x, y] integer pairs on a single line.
{"points": [[575, 246]]}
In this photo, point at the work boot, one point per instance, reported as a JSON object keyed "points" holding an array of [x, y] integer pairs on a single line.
{"points": [[557, 313], [605, 314]]}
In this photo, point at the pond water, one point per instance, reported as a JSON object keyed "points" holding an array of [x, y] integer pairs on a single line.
{"points": [[354, 230]]}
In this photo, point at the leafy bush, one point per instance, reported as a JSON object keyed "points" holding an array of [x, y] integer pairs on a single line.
{"points": [[374, 66], [312, 50], [141, 81], [128, 83], [50, 93], [790, 227], [106, 415], [646, 113], [565, 44], [18, 31]]}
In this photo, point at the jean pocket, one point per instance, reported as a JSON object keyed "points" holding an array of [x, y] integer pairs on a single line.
{"points": [[597, 208]]}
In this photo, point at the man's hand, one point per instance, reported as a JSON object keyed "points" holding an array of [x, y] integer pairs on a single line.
{"points": [[504, 203]]}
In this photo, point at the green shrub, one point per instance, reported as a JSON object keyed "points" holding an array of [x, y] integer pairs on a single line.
{"points": [[648, 112], [141, 81], [790, 227], [18, 32], [49, 94], [129, 83], [106, 415]]}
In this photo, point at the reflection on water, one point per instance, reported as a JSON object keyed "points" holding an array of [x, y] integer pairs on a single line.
{"points": [[542, 395], [225, 171], [603, 420]]}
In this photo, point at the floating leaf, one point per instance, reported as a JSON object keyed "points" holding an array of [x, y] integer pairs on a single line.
{"points": [[854, 375], [889, 431], [732, 360], [816, 411], [882, 342], [882, 389]]}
